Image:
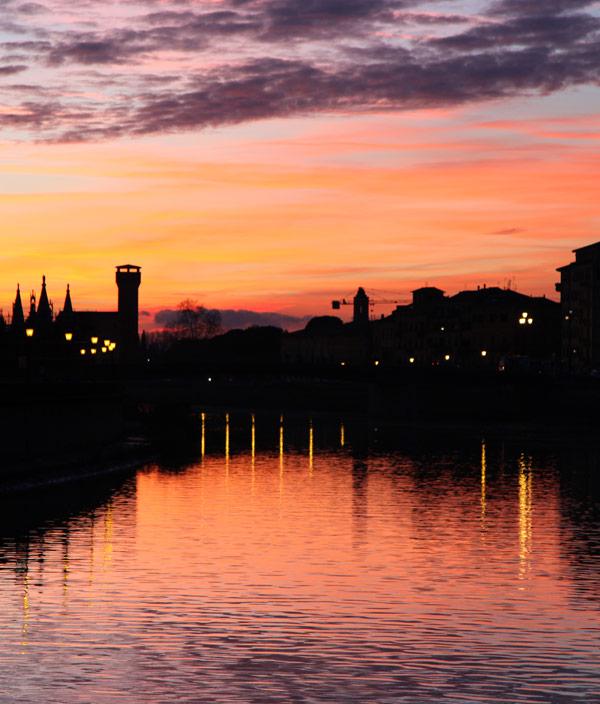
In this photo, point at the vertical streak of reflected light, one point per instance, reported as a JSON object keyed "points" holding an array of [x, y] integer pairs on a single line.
{"points": [[203, 436], [525, 507], [342, 435], [92, 525], [483, 482], [227, 442], [310, 447], [25, 602], [253, 451], [66, 566], [281, 453], [108, 536]]}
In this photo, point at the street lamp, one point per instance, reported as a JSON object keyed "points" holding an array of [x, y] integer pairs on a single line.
{"points": [[29, 332], [68, 336], [94, 339]]}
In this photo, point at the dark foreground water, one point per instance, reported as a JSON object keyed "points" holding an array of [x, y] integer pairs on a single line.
{"points": [[299, 562]]}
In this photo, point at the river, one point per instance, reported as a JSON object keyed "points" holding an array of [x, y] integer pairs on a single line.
{"points": [[326, 560]]}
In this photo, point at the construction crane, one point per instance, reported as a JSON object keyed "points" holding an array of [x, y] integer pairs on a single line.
{"points": [[337, 303]]}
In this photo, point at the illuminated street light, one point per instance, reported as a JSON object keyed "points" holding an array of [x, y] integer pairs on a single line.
{"points": [[93, 350], [82, 351], [447, 357], [106, 342], [484, 353], [411, 360], [104, 349], [94, 339], [68, 336], [376, 362], [29, 332]]}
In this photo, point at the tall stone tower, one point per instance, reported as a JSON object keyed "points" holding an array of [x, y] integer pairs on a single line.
{"points": [[128, 280], [361, 308]]}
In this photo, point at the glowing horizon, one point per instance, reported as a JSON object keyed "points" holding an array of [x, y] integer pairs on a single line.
{"points": [[457, 179]]}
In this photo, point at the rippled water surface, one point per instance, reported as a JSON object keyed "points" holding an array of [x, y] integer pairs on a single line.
{"points": [[304, 562]]}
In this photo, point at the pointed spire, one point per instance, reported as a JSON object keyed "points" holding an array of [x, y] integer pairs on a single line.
{"points": [[18, 317], [68, 307], [44, 311]]}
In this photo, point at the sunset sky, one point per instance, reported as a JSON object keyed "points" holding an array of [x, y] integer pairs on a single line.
{"points": [[275, 154]]}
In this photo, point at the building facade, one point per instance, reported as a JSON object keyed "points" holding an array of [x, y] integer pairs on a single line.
{"points": [[579, 289]]}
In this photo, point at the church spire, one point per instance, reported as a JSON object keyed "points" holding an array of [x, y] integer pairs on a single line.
{"points": [[18, 317], [44, 312], [68, 307]]}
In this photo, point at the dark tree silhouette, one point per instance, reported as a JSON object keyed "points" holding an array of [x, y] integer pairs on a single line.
{"points": [[194, 322]]}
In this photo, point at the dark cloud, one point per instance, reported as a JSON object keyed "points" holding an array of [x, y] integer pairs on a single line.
{"points": [[31, 8], [552, 31], [240, 319], [276, 58], [508, 231], [10, 70], [536, 7]]}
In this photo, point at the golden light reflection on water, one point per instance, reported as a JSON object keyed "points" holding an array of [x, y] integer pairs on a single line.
{"points": [[369, 566], [483, 483], [203, 436], [525, 514], [227, 441], [253, 452], [311, 447], [342, 435], [108, 537], [26, 614]]}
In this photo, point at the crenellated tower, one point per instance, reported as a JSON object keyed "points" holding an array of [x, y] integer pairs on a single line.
{"points": [[128, 278]]}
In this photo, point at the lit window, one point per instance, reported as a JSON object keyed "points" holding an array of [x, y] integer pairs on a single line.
{"points": [[94, 340], [68, 336], [82, 351]]}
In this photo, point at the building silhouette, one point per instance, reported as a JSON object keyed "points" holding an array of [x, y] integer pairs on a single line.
{"points": [[488, 328], [48, 338], [579, 289]]}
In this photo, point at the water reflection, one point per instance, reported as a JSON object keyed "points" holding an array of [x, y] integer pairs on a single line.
{"points": [[400, 567]]}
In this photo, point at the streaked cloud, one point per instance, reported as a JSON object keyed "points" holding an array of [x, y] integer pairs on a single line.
{"points": [[152, 68]]}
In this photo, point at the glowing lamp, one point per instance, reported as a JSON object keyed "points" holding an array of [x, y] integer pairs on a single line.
{"points": [[411, 360], [29, 332], [376, 362], [104, 350], [68, 336], [93, 350], [82, 351], [484, 353], [106, 342], [94, 340], [343, 364], [447, 357]]}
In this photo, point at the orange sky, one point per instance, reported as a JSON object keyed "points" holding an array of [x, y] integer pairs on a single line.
{"points": [[285, 215]]}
